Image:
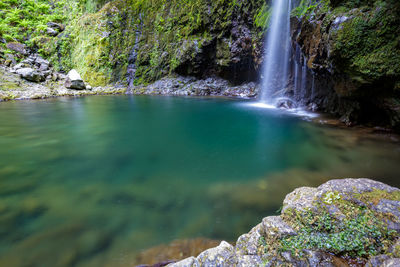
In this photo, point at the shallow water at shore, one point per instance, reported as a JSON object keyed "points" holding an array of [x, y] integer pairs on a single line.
{"points": [[92, 181]]}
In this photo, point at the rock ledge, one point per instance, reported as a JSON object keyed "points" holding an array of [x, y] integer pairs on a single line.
{"points": [[340, 223]]}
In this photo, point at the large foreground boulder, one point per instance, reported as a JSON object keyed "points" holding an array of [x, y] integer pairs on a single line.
{"points": [[339, 223], [74, 81]]}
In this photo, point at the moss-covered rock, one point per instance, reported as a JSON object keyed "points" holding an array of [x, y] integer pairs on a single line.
{"points": [[340, 223], [352, 48]]}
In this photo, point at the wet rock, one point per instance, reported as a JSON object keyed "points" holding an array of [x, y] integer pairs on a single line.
{"points": [[31, 75], [17, 47], [285, 103], [74, 81]]}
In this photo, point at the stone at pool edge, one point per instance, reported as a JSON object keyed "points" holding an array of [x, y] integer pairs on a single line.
{"points": [[74, 81], [31, 75], [246, 252]]}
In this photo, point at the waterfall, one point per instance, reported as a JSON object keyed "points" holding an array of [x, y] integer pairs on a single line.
{"points": [[277, 52]]}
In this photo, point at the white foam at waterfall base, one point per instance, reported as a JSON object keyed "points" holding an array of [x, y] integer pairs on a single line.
{"points": [[292, 111]]}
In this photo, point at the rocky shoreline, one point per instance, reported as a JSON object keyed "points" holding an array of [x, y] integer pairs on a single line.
{"points": [[345, 222], [13, 86]]}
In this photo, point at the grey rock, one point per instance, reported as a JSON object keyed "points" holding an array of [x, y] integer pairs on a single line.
{"points": [[188, 262], [395, 262], [184, 86], [319, 258], [74, 81], [355, 186], [56, 26], [249, 261], [377, 261], [17, 47], [249, 243], [42, 63], [51, 32], [274, 226], [300, 199], [223, 255], [30, 60], [304, 198], [31, 75], [88, 87], [18, 66], [249, 251]]}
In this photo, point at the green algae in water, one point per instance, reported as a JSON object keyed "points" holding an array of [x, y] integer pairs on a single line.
{"points": [[92, 181]]}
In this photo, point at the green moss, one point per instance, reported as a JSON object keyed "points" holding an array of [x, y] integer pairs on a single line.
{"points": [[367, 45], [100, 34], [305, 8], [360, 235], [351, 230], [263, 16]]}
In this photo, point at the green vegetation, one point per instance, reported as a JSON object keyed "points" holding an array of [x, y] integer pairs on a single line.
{"points": [[100, 34], [305, 8], [263, 16], [337, 226], [23, 20], [359, 234], [369, 43]]}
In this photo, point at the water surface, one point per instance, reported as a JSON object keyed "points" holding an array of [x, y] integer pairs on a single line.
{"points": [[92, 181]]}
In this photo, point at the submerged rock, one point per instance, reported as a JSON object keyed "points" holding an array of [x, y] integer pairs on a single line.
{"points": [[307, 234], [285, 103], [174, 251], [74, 80]]}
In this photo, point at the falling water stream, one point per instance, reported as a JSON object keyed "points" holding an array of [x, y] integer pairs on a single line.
{"points": [[276, 67], [284, 73]]}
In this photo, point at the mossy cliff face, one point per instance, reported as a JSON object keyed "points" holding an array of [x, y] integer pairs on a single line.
{"points": [[353, 50], [199, 38], [348, 222], [153, 39]]}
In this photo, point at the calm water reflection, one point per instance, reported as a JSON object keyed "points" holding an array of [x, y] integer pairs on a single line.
{"points": [[91, 181]]}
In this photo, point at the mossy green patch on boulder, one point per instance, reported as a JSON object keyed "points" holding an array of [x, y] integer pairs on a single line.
{"points": [[340, 223]]}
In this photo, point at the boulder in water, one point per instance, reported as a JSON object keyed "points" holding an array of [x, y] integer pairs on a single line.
{"points": [[285, 103], [74, 80]]}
